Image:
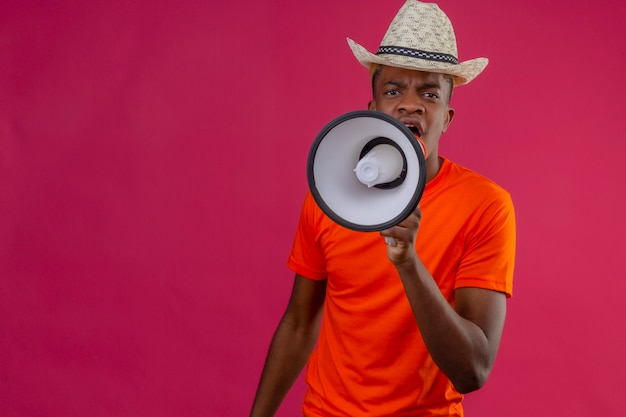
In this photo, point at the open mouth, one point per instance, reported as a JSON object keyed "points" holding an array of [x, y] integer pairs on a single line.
{"points": [[414, 129]]}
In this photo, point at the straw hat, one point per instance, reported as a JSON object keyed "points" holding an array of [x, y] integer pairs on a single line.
{"points": [[421, 37]]}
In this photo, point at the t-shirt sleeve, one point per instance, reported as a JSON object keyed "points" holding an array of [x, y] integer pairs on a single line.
{"points": [[489, 254], [306, 257]]}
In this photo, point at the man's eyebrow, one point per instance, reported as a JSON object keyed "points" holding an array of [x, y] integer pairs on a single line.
{"points": [[430, 86], [425, 86], [397, 83]]}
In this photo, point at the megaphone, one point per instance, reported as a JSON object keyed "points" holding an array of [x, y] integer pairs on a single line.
{"points": [[366, 171]]}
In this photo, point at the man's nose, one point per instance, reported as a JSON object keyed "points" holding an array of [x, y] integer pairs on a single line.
{"points": [[412, 103]]}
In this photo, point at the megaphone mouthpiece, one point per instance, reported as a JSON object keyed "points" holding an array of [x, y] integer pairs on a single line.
{"points": [[381, 165]]}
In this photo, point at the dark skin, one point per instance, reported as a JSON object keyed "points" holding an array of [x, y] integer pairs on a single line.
{"points": [[462, 339], [291, 346]]}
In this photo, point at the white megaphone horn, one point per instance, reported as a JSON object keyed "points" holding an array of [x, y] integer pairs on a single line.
{"points": [[366, 170]]}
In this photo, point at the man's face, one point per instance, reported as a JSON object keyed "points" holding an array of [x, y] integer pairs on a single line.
{"points": [[418, 99]]}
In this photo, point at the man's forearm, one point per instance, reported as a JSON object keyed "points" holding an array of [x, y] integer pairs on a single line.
{"points": [[459, 346], [287, 356]]}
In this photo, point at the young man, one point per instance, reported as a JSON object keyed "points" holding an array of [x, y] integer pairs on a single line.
{"points": [[403, 329]]}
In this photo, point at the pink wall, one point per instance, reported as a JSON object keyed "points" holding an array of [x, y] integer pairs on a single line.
{"points": [[152, 166]]}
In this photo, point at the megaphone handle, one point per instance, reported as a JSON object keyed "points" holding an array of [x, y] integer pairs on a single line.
{"points": [[390, 241]]}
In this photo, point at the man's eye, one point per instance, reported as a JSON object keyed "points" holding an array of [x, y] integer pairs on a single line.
{"points": [[392, 92], [431, 95]]}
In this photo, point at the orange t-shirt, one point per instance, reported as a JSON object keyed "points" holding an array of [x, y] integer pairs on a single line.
{"points": [[370, 359]]}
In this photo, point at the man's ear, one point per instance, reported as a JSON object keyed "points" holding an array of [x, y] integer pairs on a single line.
{"points": [[371, 105], [448, 118]]}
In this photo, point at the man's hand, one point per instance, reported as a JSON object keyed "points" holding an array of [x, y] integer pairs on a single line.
{"points": [[402, 248]]}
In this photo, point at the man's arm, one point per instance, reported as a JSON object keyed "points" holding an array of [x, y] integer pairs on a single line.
{"points": [[291, 345], [463, 340]]}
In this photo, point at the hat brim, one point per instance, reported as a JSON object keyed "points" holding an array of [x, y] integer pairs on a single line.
{"points": [[462, 73]]}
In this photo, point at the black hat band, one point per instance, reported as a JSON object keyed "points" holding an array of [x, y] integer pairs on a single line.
{"points": [[416, 53]]}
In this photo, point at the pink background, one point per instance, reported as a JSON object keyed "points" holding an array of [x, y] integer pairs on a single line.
{"points": [[152, 167]]}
